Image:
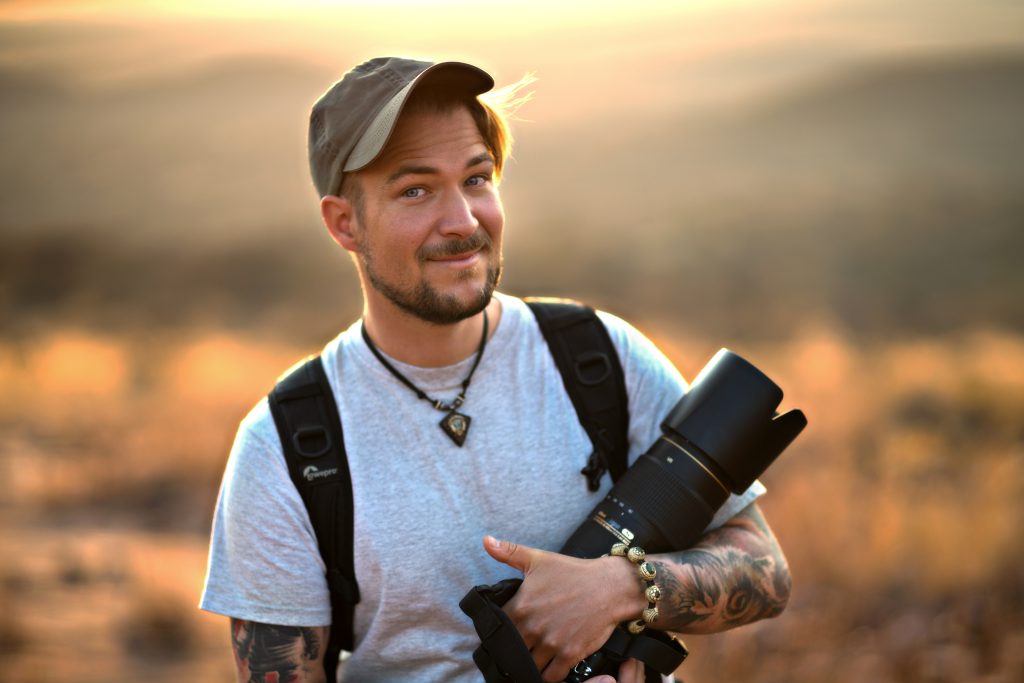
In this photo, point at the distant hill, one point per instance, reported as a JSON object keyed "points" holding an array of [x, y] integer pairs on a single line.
{"points": [[889, 196], [211, 151]]}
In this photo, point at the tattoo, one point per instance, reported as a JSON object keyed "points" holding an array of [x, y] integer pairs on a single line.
{"points": [[735, 575], [273, 654]]}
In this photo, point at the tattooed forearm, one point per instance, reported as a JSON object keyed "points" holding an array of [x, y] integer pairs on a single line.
{"points": [[277, 654], [737, 574]]}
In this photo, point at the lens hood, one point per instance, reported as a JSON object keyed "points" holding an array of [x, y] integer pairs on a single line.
{"points": [[729, 416]]}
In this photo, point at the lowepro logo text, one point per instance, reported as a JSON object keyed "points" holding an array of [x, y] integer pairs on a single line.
{"points": [[312, 473]]}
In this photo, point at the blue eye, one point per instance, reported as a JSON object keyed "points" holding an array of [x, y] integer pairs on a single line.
{"points": [[413, 192]]}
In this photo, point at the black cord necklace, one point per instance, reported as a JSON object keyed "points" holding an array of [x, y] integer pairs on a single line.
{"points": [[454, 424]]}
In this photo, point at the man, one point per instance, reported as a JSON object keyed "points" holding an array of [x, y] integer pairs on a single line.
{"points": [[456, 424]]}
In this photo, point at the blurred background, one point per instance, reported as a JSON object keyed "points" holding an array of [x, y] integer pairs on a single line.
{"points": [[832, 188]]}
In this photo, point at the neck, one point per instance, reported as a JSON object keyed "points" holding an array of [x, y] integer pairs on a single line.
{"points": [[411, 340]]}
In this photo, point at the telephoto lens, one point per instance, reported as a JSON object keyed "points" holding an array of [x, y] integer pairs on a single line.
{"points": [[717, 440], [721, 436]]}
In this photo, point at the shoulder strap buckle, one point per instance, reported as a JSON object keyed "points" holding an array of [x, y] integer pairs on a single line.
{"points": [[594, 470], [311, 436], [593, 368]]}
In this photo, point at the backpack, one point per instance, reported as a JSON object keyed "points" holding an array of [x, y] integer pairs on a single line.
{"points": [[311, 434]]}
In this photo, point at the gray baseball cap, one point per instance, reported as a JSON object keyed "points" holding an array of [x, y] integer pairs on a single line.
{"points": [[351, 122]]}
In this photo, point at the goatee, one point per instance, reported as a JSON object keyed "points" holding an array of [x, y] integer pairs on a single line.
{"points": [[426, 302]]}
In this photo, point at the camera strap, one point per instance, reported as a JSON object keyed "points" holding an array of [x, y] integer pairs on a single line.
{"points": [[502, 656]]}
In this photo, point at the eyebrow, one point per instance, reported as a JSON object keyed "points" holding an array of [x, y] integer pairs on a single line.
{"points": [[428, 170]]}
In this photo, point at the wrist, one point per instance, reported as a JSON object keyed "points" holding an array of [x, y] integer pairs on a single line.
{"points": [[646, 573], [627, 599]]}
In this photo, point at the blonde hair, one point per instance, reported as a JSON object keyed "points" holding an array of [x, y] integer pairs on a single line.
{"points": [[500, 106]]}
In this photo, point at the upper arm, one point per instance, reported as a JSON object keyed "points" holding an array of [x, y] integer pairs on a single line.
{"points": [[265, 653], [265, 563]]}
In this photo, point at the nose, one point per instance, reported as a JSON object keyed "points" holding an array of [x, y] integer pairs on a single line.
{"points": [[457, 217]]}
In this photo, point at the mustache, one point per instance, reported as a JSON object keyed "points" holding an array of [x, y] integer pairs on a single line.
{"points": [[478, 240]]}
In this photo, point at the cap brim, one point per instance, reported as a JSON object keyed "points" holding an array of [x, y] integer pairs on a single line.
{"points": [[450, 74]]}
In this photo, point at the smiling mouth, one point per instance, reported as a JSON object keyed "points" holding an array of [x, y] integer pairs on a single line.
{"points": [[460, 260], [461, 256], [456, 252]]}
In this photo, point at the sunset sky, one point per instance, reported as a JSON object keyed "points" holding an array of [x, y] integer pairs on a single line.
{"points": [[145, 82], [125, 38]]}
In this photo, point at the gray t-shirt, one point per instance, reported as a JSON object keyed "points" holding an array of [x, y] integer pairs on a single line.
{"points": [[422, 504]]}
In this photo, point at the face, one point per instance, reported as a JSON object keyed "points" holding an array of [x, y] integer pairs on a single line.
{"points": [[427, 232]]}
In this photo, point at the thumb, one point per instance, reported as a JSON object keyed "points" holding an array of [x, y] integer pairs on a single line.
{"points": [[517, 556]]}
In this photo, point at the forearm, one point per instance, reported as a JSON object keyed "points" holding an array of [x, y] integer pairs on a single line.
{"points": [[735, 575], [567, 607]]}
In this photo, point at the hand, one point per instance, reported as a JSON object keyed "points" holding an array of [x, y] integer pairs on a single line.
{"points": [[631, 671], [567, 607]]}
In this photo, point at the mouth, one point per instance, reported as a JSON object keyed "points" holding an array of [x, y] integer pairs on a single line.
{"points": [[458, 254], [462, 259]]}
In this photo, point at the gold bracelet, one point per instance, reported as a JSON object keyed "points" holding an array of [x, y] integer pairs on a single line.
{"points": [[647, 573]]}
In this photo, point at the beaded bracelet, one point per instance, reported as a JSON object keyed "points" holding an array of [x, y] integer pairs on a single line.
{"points": [[647, 572]]}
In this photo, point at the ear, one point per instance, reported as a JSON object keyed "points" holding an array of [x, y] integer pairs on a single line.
{"points": [[340, 220]]}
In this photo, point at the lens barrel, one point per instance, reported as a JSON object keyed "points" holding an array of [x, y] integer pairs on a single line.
{"points": [[716, 440]]}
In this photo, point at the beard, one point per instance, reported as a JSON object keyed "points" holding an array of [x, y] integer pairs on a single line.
{"points": [[422, 299]]}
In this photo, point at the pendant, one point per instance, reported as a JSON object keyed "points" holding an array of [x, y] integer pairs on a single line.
{"points": [[455, 425]]}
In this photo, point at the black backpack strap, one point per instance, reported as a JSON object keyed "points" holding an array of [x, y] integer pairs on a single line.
{"points": [[309, 426], [593, 377]]}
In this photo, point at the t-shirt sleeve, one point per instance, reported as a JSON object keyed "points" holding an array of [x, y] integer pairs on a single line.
{"points": [[264, 563], [654, 386]]}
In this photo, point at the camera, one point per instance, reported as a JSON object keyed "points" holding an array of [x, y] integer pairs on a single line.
{"points": [[721, 436]]}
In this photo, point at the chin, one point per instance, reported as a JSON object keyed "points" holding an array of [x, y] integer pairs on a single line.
{"points": [[446, 305]]}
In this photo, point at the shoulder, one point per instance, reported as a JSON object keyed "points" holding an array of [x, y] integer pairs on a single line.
{"points": [[642, 362], [257, 497], [625, 336], [640, 357], [256, 457]]}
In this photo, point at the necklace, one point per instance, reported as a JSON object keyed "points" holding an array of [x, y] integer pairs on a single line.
{"points": [[454, 423]]}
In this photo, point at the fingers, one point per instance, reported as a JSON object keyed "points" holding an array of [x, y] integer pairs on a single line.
{"points": [[514, 555], [631, 671], [553, 613], [557, 668]]}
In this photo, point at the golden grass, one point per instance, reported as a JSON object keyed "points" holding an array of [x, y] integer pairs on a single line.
{"points": [[899, 508]]}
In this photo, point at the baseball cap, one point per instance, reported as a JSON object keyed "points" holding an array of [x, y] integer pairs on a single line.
{"points": [[351, 122]]}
